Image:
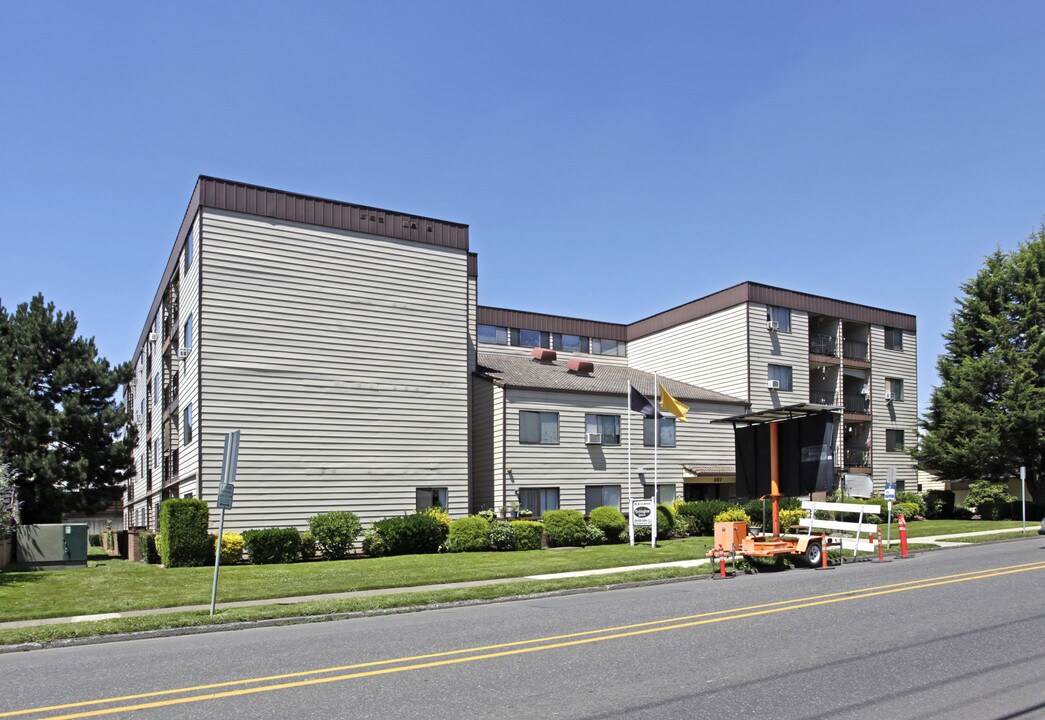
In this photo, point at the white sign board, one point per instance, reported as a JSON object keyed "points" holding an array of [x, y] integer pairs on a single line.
{"points": [[642, 513], [225, 496], [860, 486]]}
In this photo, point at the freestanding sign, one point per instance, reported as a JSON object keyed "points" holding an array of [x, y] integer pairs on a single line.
{"points": [[229, 460], [642, 513]]}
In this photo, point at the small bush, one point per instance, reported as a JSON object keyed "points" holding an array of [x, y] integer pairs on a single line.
{"points": [[643, 533], [183, 524], [147, 545], [1035, 511], [309, 548], [700, 515], [373, 545], [527, 534], [501, 536], [594, 536], [991, 500], [334, 532], [231, 548], [608, 519], [665, 522], [272, 545], [94, 540], [564, 528], [469, 534], [736, 514], [439, 514], [915, 499], [488, 513], [789, 518], [939, 504], [911, 511], [409, 534], [962, 513]]}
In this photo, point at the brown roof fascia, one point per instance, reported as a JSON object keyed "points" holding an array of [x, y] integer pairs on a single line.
{"points": [[502, 317], [473, 265], [768, 295]]}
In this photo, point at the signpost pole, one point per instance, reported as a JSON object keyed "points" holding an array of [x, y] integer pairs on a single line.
{"points": [[1023, 483], [217, 563], [890, 495], [226, 486]]}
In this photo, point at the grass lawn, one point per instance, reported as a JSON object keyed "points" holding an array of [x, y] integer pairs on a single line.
{"points": [[1031, 532], [109, 585], [925, 528]]}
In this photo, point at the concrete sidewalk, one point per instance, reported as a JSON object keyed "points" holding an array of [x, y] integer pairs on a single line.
{"points": [[937, 540]]}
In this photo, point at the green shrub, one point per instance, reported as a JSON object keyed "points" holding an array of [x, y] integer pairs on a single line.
{"points": [[439, 514], [527, 534], [373, 545], [334, 532], [231, 548], [736, 514], [1035, 511], [789, 518], [564, 528], [665, 522], [608, 519], [487, 513], [594, 536], [273, 545], [469, 534], [309, 548], [991, 500], [961, 513], [915, 499], [147, 545], [94, 540], [183, 524], [409, 534], [910, 511], [939, 504], [643, 533], [502, 537], [700, 515]]}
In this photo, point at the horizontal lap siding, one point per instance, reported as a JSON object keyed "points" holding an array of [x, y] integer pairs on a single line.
{"points": [[571, 465], [901, 364], [710, 352], [343, 359], [775, 347], [486, 446], [188, 386]]}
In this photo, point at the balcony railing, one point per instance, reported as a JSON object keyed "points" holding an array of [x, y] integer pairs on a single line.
{"points": [[822, 397], [856, 403], [857, 457], [822, 345], [854, 350]]}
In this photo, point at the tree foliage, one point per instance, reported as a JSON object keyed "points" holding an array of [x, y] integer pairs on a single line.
{"points": [[60, 427], [986, 419]]}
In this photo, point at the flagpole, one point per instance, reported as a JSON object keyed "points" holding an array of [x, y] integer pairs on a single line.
{"points": [[631, 520], [656, 448]]}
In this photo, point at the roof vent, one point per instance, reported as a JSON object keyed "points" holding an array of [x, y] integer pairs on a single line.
{"points": [[580, 365], [543, 354]]}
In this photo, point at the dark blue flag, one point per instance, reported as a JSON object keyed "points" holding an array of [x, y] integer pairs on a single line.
{"points": [[639, 403]]}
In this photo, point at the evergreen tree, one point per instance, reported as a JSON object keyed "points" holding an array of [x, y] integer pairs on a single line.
{"points": [[60, 428], [986, 419]]}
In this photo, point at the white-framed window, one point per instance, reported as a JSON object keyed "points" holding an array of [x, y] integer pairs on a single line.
{"points": [[893, 339], [427, 497], [538, 428], [570, 343], [783, 375], [894, 441], [530, 338], [665, 493], [186, 339], [187, 423], [493, 334], [539, 500], [894, 387], [606, 425], [599, 496], [781, 316], [667, 432]]}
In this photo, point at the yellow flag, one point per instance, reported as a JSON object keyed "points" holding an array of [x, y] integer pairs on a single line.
{"points": [[672, 405]]}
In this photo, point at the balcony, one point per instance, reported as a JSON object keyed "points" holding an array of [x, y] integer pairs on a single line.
{"points": [[822, 397], [854, 350], [823, 345], [857, 457], [856, 403]]}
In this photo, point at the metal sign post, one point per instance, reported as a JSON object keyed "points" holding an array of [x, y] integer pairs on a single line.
{"points": [[1023, 483], [226, 487]]}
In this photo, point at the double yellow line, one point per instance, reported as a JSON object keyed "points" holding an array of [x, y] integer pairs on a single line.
{"points": [[234, 688]]}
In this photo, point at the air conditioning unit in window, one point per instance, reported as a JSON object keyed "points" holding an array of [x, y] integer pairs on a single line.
{"points": [[152, 337], [773, 384], [889, 397], [182, 354], [593, 439], [772, 324]]}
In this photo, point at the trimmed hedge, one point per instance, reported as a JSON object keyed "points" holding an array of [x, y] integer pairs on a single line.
{"points": [[308, 547], [699, 515], [183, 525], [94, 540], [610, 520], [411, 534], [334, 533], [565, 528], [527, 534], [273, 545], [147, 544], [231, 548], [665, 522], [469, 534]]}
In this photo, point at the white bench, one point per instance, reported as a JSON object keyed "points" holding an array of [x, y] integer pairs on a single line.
{"points": [[857, 527]]}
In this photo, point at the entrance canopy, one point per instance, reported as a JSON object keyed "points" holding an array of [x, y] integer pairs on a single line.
{"points": [[788, 412]]}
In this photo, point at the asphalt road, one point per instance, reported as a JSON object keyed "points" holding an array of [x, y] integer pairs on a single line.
{"points": [[950, 634]]}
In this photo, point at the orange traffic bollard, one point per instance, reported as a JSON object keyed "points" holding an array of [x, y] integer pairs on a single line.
{"points": [[881, 550], [902, 523]]}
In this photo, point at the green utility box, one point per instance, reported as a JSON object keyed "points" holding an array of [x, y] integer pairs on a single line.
{"points": [[51, 547]]}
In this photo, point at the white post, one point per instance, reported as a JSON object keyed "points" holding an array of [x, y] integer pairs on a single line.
{"points": [[631, 515], [1023, 483], [889, 525], [656, 447]]}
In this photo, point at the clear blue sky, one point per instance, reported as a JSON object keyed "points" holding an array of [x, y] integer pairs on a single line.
{"points": [[612, 159]]}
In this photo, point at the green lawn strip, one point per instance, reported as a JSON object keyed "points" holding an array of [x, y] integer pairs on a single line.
{"points": [[994, 538], [64, 631], [925, 528], [110, 585]]}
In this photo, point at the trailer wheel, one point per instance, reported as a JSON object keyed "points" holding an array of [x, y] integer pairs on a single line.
{"points": [[813, 555]]}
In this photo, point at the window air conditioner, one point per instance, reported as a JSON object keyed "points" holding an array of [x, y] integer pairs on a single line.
{"points": [[772, 324], [889, 397], [152, 337], [773, 384], [593, 439], [183, 353]]}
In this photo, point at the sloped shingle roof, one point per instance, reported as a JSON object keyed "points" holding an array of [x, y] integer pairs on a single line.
{"points": [[517, 371]]}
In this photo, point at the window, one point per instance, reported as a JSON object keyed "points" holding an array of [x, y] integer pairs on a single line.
{"points": [[599, 495], [493, 335], [188, 251], [157, 450], [782, 374], [894, 440], [141, 410], [188, 423], [539, 500], [538, 428], [606, 425], [602, 346], [894, 387], [530, 338], [893, 339], [156, 388], [570, 343], [430, 497], [780, 315], [186, 339], [667, 432], [665, 492]]}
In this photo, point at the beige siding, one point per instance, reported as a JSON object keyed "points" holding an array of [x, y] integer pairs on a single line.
{"points": [[571, 465], [776, 347], [188, 385], [902, 364], [487, 448], [709, 352], [342, 358]]}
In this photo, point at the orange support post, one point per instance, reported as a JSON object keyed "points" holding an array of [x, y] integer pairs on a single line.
{"points": [[774, 475]]}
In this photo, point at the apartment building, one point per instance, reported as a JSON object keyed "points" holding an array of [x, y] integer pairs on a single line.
{"points": [[346, 343]]}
